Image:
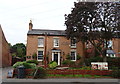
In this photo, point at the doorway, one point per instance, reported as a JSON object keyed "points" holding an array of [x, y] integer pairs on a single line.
{"points": [[56, 57]]}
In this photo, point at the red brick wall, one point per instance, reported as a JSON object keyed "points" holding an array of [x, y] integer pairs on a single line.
{"points": [[5, 55], [64, 46], [116, 46]]}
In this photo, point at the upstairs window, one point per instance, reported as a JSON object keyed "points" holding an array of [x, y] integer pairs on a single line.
{"points": [[56, 42], [110, 44], [73, 56], [40, 42], [73, 43], [40, 55]]}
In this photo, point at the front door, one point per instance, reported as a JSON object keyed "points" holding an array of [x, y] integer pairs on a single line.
{"points": [[56, 57]]}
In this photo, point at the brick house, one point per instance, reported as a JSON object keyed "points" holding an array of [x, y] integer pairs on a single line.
{"points": [[51, 44], [115, 44], [113, 48], [5, 56]]}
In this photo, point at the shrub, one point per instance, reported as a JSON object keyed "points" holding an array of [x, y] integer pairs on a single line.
{"points": [[29, 65], [34, 56], [113, 62], [116, 73], [40, 73], [53, 65], [32, 61], [68, 57], [78, 57], [68, 62], [17, 64], [93, 59], [26, 65]]}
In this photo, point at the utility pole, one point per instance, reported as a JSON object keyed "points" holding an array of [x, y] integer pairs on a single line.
{"points": [[45, 61]]}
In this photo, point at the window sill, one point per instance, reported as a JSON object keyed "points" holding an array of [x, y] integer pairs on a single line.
{"points": [[73, 46], [40, 46], [39, 60], [55, 46], [73, 60]]}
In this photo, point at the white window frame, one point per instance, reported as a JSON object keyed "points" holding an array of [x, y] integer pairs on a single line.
{"points": [[39, 43], [37, 55], [75, 55], [54, 43], [73, 45]]}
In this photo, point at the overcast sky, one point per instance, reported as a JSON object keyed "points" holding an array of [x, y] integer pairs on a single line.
{"points": [[45, 14]]}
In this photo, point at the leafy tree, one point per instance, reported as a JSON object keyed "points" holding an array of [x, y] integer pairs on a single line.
{"points": [[94, 22], [18, 50]]}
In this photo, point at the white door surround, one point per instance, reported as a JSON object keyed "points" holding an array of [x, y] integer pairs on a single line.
{"points": [[56, 57]]}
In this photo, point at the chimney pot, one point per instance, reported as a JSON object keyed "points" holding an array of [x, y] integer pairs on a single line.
{"points": [[30, 25]]}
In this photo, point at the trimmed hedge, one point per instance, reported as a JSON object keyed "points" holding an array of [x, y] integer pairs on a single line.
{"points": [[17, 64], [26, 65], [32, 61], [53, 65]]}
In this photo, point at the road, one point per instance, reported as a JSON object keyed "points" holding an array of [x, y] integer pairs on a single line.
{"points": [[55, 80]]}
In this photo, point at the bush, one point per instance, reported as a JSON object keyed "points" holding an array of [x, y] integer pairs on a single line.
{"points": [[34, 56], [40, 73], [32, 61], [68, 62], [116, 73], [26, 65], [53, 65], [29, 65], [17, 64], [113, 62], [78, 57], [68, 57], [93, 59]]}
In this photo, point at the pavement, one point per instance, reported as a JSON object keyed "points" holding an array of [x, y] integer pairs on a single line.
{"points": [[6, 80]]}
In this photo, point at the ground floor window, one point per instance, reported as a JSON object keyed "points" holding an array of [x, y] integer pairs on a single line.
{"points": [[73, 55], [40, 55]]}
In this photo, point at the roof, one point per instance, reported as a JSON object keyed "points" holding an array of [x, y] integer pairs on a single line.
{"points": [[2, 34], [110, 52], [48, 32]]}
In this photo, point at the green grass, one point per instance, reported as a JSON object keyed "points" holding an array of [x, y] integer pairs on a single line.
{"points": [[76, 75], [87, 76], [97, 76]]}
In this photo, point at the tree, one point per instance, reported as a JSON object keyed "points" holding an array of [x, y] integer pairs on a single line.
{"points": [[18, 50], [94, 22]]}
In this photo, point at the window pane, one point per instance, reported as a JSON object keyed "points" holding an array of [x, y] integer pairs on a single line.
{"points": [[73, 54], [73, 42], [40, 55], [56, 42], [40, 42]]}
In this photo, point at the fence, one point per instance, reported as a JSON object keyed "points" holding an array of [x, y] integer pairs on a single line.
{"points": [[70, 72], [78, 72]]}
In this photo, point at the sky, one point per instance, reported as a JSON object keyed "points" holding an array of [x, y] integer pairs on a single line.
{"points": [[15, 16]]}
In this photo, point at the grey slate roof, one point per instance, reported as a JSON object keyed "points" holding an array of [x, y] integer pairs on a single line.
{"points": [[110, 52], [48, 32]]}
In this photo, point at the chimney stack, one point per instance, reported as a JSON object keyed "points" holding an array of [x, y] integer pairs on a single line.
{"points": [[30, 25]]}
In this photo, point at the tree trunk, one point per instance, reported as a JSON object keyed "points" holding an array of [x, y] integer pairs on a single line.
{"points": [[83, 54], [105, 51]]}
